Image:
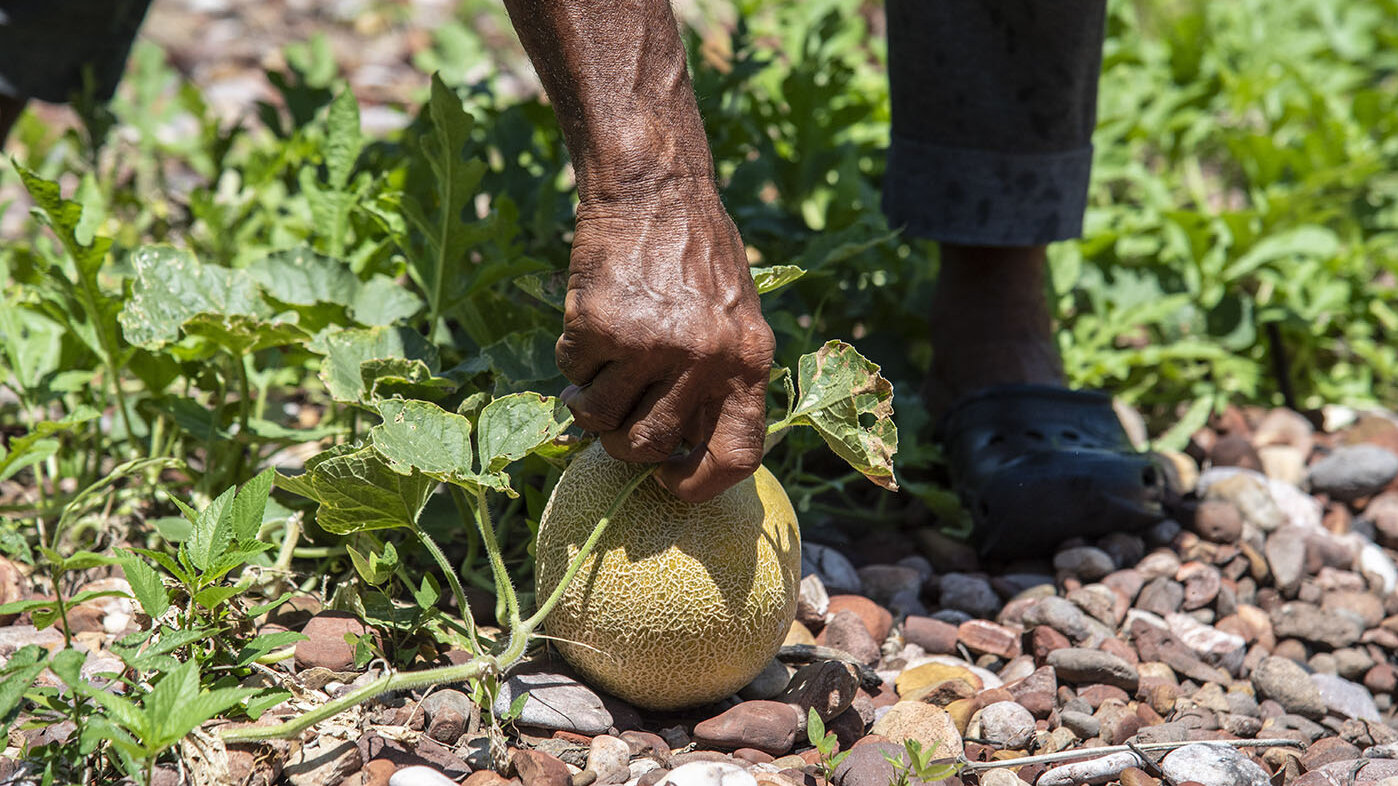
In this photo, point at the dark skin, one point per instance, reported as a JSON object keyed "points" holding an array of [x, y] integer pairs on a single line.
{"points": [[663, 336], [664, 339]]}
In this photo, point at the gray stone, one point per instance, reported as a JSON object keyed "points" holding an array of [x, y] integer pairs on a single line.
{"points": [[768, 683], [555, 702], [1161, 596], [1308, 622], [1213, 765], [324, 760], [15, 637], [970, 594], [1311, 730], [835, 569], [1360, 771], [1286, 556], [447, 699], [1093, 771], [1163, 532], [1060, 614], [1082, 724], [1345, 698], [1239, 725], [882, 583], [1086, 562], [1007, 724], [1079, 666], [866, 766], [1284, 681], [918, 563], [1124, 548], [1353, 471], [1099, 601], [1171, 731]]}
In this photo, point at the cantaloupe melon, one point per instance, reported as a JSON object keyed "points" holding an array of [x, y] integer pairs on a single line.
{"points": [[680, 604]]}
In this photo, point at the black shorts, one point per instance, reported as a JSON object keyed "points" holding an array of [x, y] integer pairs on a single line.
{"points": [[50, 49], [994, 103]]}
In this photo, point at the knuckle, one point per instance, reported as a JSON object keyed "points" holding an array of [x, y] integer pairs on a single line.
{"points": [[570, 358], [591, 416], [654, 441]]}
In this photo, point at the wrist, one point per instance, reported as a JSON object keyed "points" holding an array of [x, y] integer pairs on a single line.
{"points": [[645, 156]]}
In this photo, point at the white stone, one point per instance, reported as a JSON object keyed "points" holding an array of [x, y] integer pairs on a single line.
{"points": [[610, 758], [1372, 559], [1213, 765], [1345, 698], [1100, 770], [812, 601], [1007, 724], [1000, 777], [418, 775], [709, 773], [1301, 508], [1217, 647]]}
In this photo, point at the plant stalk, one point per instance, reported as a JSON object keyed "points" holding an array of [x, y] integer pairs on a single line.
{"points": [[477, 667], [455, 583], [504, 588], [587, 547], [1092, 753]]}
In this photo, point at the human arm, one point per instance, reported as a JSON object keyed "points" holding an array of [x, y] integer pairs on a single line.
{"points": [[664, 339]]}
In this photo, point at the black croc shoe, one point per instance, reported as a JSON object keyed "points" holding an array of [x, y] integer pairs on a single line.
{"points": [[1036, 465]]}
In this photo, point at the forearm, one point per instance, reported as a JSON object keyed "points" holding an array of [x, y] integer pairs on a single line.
{"points": [[615, 72]]}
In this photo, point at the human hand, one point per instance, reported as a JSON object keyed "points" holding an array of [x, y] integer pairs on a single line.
{"points": [[664, 339]]}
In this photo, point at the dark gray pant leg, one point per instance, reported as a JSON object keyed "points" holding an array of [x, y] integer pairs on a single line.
{"points": [[46, 46], [994, 103]]}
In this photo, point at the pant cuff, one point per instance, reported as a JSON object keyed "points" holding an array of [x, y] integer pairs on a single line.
{"points": [[985, 198]]}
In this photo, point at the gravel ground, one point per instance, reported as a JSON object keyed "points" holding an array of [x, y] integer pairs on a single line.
{"points": [[1263, 611]]}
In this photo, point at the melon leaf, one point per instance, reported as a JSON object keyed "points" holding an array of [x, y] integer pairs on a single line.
{"points": [[420, 436], [357, 490], [847, 401]]}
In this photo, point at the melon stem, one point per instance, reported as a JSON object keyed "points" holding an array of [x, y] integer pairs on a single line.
{"points": [[587, 546], [504, 588], [478, 667], [455, 583]]}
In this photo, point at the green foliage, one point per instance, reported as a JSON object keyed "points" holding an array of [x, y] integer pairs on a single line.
{"points": [[825, 744], [914, 764]]}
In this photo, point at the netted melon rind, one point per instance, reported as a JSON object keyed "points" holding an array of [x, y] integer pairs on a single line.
{"points": [[688, 603]]}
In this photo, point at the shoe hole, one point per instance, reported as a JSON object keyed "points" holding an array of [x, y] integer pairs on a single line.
{"points": [[1149, 476], [1037, 436], [995, 439], [1071, 435]]}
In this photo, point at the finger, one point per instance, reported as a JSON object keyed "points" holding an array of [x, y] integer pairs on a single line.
{"points": [[608, 400], [576, 359], [731, 452], [656, 427]]}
